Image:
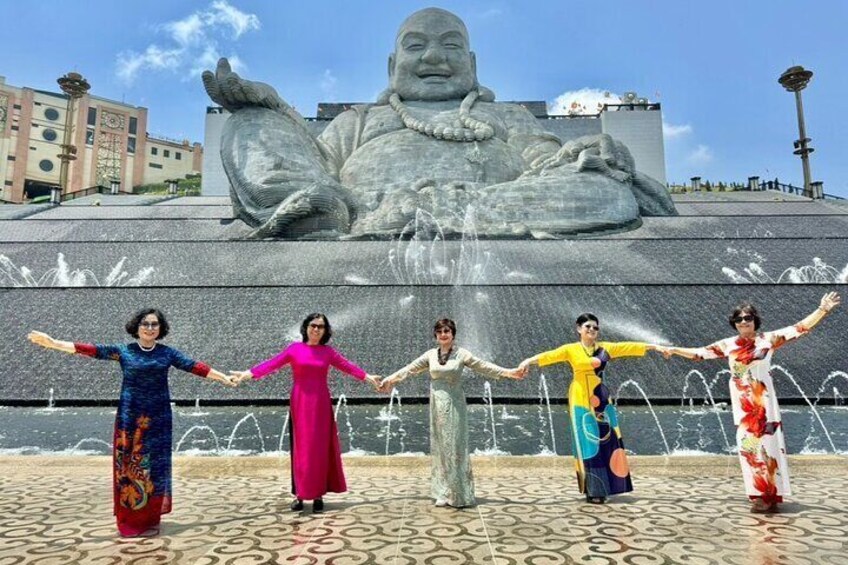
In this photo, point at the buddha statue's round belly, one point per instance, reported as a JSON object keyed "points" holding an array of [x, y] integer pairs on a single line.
{"points": [[405, 159]]}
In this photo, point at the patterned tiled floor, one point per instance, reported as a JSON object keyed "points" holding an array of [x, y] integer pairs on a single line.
{"points": [[235, 510]]}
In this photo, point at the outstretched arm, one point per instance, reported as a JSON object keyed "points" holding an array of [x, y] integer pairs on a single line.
{"points": [[98, 351], [189, 365], [828, 302], [417, 367], [265, 368], [44, 340], [712, 351], [491, 370]]}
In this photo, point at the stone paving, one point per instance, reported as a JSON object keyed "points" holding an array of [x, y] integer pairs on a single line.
{"points": [[235, 510]]}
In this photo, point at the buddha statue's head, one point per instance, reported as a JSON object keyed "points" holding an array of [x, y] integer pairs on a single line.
{"points": [[432, 58]]}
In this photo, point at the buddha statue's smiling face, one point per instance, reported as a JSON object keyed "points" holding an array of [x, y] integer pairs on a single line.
{"points": [[432, 60]]}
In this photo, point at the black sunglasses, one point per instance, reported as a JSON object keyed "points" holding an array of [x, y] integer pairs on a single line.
{"points": [[745, 318]]}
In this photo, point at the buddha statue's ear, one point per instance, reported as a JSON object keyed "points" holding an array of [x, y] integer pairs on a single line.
{"points": [[383, 99]]}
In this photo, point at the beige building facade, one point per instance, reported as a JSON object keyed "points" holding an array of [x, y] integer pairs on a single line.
{"points": [[110, 137]]}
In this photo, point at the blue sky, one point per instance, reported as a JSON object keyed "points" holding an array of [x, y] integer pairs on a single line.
{"points": [[712, 65]]}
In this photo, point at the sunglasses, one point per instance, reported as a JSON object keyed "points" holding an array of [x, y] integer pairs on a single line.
{"points": [[591, 327], [745, 318], [149, 325], [317, 326]]}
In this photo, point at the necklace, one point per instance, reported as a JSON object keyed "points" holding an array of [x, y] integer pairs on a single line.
{"points": [[443, 358], [145, 348], [471, 130]]}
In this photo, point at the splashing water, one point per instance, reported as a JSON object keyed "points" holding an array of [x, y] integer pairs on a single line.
{"points": [[490, 420], [818, 273], [810, 404], [837, 401], [63, 276], [343, 399], [714, 409], [197, 412], [634, 384], [388, 417], [283, 432], [193, 429], [258, 432], [545, 403], [80, 443], [421, 255]]}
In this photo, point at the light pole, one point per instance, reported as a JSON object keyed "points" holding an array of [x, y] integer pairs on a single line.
{"points": [[795, 79], [75, 86]]}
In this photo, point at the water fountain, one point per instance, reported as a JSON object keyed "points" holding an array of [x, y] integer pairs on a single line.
{"points": [[491, 447], [251, 417], [387, 415], [63, 276], [193, 429], [812, 437], [634, 384], [818, 272], [713, 409], [350, 447], [545, 405]]}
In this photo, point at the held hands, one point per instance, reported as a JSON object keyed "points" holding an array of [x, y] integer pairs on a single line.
{"points": [[374, 380], [222, 378], [830, 301], [386, 385], [518, 373], [238, 376]]}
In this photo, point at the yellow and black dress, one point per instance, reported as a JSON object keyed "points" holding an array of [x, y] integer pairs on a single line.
{"points": [[601, 462]]}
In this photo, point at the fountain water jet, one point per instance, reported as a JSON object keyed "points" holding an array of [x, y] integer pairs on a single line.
{"points": [[250, 416], [631, 382], [198, 428], [545, 398]]}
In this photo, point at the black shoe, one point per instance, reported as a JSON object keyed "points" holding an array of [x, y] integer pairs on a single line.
{"points": [[596, 499], [317, 505], [296, 505]]}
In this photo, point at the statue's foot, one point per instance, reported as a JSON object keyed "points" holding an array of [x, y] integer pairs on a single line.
{"points": [[313, 212]]}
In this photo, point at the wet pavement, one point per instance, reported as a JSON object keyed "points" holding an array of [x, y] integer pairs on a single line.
{"points": [[235, 510]]}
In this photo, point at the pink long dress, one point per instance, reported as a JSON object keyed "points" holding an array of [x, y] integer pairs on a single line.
{"points": [[315, 454]]}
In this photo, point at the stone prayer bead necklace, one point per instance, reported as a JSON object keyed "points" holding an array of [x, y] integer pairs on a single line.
{"points": [[473, 130]]}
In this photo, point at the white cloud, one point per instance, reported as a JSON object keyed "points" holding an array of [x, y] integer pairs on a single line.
{"points": [[223, 13], [195, 46], [672, 131], [586, 101], [186, 31], [154, 57], [701, 155]]}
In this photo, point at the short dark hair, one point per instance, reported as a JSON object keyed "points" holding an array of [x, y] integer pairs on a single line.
{"points": [[445, 323], [745, 308], [135, 322], [585, 317], [328, 330]]}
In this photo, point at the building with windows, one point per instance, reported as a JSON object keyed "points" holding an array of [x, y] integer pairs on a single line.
{"points": [[110, 137]]}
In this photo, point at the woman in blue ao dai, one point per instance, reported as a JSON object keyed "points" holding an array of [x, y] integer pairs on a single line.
{"points": [[141, 450]]}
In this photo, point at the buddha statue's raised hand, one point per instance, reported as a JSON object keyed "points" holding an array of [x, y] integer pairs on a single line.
{"points": [[228, 89]]}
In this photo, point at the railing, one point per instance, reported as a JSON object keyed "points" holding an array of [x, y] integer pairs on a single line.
{"points": [[97, 189], [792, 189]]}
